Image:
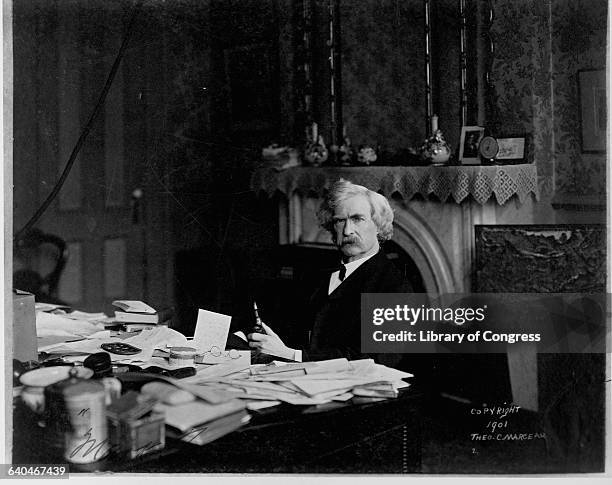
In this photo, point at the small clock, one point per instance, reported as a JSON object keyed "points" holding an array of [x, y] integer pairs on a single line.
{"points": [[488, 148]]}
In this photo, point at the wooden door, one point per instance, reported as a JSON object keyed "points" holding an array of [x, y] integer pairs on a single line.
{"points": [[65, 59]]}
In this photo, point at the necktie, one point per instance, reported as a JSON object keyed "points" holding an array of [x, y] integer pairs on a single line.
{"points": [[342, 273]]}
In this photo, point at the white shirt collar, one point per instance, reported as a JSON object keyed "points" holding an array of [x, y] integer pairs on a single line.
{"points": [[334, 279]]}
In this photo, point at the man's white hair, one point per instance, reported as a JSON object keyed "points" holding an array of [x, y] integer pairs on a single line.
{"points": [[381, 211]]}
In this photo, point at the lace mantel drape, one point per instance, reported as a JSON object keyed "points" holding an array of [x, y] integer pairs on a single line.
{"points": [[481, 182]]}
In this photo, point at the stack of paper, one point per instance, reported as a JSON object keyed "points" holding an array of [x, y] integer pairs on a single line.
{"points": [[224, 392], [199, 423], [305, 383]]}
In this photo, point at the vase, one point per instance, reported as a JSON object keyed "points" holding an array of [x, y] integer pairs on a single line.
{"points": [[435, 150], [316, 153]]}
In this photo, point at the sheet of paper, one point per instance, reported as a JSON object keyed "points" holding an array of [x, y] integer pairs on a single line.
{"points": [[260, 387], [158, 337], [152, 338], [298, 400], [255, 405], [188, 415], [51, 325], [278, 369], [291, 386], [80, 347], [401, 384], [211, 331], [282, 376], [210, 395], [49, 307], [241, 335], [315, 387], [325, 366], [46, 343], [370, 370], [79, 315], [213, 372]]}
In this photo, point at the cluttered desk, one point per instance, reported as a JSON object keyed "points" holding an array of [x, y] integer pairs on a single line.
{"points": [[106, 397]]}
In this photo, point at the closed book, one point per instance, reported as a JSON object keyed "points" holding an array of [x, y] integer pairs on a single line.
{"points": [[136, 306], [136, 317]]}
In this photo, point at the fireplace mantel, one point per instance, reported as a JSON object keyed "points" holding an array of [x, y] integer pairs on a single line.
{"points": [[447, 184]]}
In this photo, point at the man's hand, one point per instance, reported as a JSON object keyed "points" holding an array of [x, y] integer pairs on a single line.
{"points": [[270, 343]]}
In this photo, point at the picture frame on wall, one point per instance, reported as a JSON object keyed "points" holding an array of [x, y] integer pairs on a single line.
{"points": [[468, 146], [593, 113]]}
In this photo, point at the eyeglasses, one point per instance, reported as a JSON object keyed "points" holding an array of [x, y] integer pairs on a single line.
{"points": [[217, 352]]}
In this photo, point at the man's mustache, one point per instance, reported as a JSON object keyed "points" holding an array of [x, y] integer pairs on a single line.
{"points": [[349, 240]]}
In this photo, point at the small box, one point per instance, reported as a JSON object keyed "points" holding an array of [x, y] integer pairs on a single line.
{"points": [[136, 429], [139, 437], [24, 327]]}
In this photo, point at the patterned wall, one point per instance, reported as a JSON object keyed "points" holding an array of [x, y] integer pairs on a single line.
{"points": [[383, 68], [579, 42], [540, 47], [521, 73]]}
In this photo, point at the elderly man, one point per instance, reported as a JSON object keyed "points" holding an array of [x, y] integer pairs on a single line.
{"points": [[359, 220]]}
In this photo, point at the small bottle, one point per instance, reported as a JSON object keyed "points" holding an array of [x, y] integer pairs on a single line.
{"points": [[258, 327]]}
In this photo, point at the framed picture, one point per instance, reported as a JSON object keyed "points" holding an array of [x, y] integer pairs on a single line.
{"points": [[468, 146], [592, 86], [511, 149]]}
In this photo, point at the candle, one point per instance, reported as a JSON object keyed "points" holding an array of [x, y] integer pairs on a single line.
{"points": [[315, 132], [434, 124]]}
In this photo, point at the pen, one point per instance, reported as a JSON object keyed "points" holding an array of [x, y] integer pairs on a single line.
{"points": [[258, 327]]}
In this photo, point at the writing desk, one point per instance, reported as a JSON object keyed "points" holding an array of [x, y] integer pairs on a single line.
{"points": [[372, 437]]}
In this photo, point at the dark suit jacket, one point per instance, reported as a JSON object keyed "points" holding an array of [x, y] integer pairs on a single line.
{"points": [[336, 331]]}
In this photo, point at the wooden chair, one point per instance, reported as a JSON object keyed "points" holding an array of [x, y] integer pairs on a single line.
{"points": [[39, 260]]}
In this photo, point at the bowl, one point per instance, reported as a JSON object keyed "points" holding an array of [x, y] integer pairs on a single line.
{"points": [[35, 381], [45, 376]]}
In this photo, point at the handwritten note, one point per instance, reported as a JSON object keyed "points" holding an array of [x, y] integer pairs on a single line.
{"points": [[211, 331]]}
